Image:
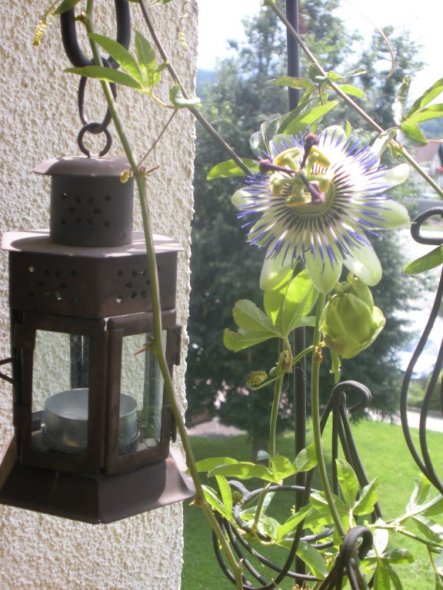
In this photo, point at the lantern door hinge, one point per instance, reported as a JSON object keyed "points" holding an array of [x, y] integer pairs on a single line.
{"points": [[23, 336], [174, 345]]}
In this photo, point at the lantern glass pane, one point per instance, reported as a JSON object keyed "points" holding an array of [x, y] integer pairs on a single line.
{"points": [[141, 382], [60, 392]]}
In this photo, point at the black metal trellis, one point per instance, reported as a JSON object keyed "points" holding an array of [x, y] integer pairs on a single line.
{"points": [[356, 543], [420, 452]]}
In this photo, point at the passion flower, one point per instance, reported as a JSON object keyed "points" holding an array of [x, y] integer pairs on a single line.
{"points": [[316, 201]]}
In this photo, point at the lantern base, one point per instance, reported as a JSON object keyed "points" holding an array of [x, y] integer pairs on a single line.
{"points": [[101, 499]]}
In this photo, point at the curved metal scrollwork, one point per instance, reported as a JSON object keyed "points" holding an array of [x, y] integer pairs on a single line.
{"points": [[69, 34], [420, 451], [265, 574], [355, 546]]}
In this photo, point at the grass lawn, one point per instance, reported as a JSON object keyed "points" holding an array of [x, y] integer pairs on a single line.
{"points": [[384, 455]]}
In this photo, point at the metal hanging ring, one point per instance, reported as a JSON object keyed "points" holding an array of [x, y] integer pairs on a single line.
{"points": [[95, 129], [69, 33], [81, 101]]}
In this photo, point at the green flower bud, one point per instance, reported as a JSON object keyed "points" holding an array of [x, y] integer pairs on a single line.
{"points": [[358, 288], [350, 324], [256, 378]]}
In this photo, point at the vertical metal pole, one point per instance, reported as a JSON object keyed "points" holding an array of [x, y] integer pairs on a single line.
{"points": [[299, 339], [292, 12]]}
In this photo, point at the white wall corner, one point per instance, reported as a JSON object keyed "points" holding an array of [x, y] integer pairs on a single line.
{"points": [[39, 120]]}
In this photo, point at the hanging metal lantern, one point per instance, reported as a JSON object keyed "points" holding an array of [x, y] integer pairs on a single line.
{"points": [[97, 447], [92, 426]]}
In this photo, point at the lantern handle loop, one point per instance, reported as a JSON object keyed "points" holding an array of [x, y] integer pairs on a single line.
{"points": [[69, 34], [95, 129], [81, 101], [7, 377]]}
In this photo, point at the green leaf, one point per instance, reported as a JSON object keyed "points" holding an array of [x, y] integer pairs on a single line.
{"points": [[334, 76], [313, 559], [214, 501], [433, 112], [309, 118], [299, 300], [413, 131], [380, 537], [230, 168], [274, 297], [438, 564], [427, 262], [398, 555], [430, 529], [420, 493], [151, 72], [382, 579], [249, 317], [428, 96], [207, 464], [65, 6], [315, 73], [242, 339], [289, 302], [293, 82], [282, 467], [434, 507], [145, 53], [348, 482], [266, 525], [367, 499], [226, 494], [352, 90], [259, 141], [286, 528], [106, 74], [306, 459], [120, 54], [395, 578], [243, 470], [179, 101]]}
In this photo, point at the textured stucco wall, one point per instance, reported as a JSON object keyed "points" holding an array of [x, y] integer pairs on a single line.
{"points": [[39, 120]]}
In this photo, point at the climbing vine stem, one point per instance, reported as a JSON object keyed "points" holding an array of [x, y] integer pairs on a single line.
{"points": [[157, 346]]}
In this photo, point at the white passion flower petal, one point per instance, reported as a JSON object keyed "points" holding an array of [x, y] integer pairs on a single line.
{"points": [[323, 274], [394, 176], [335, 131], [365, 265], [393, 215], [240, 198]]}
